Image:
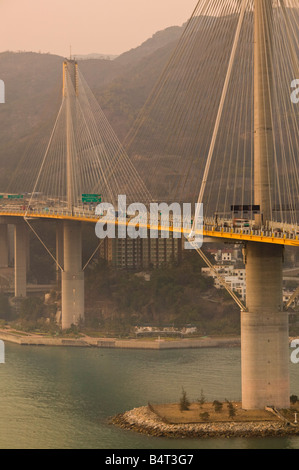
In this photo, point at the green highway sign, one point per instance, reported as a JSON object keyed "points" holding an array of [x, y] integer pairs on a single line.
{"points": [[91, 197], [15, 196]]}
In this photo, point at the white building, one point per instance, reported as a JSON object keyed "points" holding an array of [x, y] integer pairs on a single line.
{"points": [[287, 294], [234, 277]]}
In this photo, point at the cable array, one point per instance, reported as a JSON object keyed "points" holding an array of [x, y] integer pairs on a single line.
{"points": [[170, 141], [83, 155], [194, 139]]}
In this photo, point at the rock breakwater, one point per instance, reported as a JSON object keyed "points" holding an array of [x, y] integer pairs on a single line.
{"points": [[145, 421]]}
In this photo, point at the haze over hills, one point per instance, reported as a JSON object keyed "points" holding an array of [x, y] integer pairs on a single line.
{"points": [[33, 93], [158, 40], [94, 56], [171, 145]]}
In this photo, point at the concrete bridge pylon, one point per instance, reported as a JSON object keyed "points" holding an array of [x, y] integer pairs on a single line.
{"points": [[264, 326], [72, 278]]}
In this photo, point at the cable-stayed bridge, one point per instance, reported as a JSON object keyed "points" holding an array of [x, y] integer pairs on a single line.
{"points": [[220, 128]]}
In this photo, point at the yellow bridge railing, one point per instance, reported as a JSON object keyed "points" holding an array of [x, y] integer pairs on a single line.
{"points": [[288, 236]]}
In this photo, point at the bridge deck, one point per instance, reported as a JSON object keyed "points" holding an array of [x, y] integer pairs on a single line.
{"points": [[288, 235]]}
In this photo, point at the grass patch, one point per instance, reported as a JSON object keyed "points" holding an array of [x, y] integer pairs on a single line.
{"points": [[204, 413]]}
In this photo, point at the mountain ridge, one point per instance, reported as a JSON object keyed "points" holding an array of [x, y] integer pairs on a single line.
{"points": [[33, 85]]}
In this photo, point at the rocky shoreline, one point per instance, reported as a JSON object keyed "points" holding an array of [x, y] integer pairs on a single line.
{"points": [[145, 421], [34, 339]]}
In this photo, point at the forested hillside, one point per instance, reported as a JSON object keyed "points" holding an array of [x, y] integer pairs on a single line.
{"points": [[33, 94]]}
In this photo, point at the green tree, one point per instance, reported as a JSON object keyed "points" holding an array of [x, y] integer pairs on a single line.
{"points": [[217, 406], [32, 308], [293, 399], [202, 398], [204, 416], [5, 308], [184, 402], [231, 409]]}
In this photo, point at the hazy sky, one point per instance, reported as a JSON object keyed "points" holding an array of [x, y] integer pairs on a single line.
{"points": [[103, 26]]}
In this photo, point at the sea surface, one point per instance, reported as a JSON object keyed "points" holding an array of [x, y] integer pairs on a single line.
{"points": [[62, 397]]}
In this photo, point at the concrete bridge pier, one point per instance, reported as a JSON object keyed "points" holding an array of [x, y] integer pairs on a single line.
{"points": [[59, 249], [21, 240], [72, 287], [4, 246], [264, 330]]}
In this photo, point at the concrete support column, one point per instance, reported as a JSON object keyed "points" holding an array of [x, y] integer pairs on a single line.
{"points": [[72, 289], [264, 330], [263, 126], [27, 234], [11, 244], [59, 249], [20, 256], [4, 246]]}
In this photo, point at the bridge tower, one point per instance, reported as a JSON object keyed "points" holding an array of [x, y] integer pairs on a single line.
{"points": [[264, 326], [72, 278]]}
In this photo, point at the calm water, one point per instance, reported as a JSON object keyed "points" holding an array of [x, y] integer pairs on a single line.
{"points": [[61, 397]]}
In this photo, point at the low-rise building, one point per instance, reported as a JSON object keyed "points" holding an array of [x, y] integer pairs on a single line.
{"points": [[226, 267], [141, 253]]}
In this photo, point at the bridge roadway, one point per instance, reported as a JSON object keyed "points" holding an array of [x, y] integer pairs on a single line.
{"points": [[280, 234]]}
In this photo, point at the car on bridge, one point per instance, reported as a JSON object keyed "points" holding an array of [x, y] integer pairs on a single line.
{"points": [[241, 223]]}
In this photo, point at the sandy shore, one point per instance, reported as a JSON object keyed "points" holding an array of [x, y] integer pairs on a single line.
{"points": [[145, 421], [22, 338]]}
